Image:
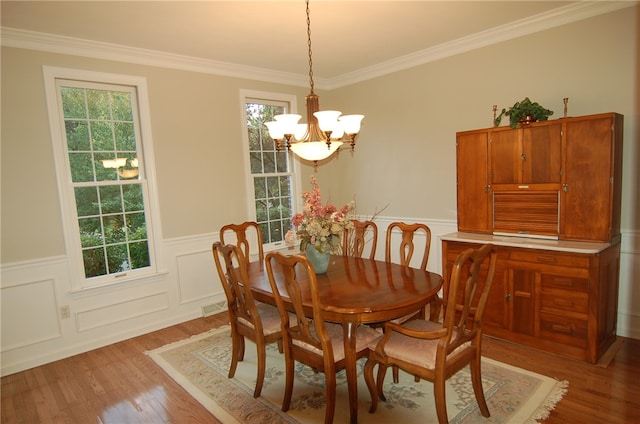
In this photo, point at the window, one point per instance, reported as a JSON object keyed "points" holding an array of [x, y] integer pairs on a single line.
{"points": [[102, 167], [272, 177]]}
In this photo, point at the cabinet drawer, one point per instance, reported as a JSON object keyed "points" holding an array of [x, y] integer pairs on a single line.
{"points": [[550, 258], [551, 281], [563, 329], [564, 302]]}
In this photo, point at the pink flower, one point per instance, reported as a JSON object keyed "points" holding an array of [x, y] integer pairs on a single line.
{"points": [[321, 225]]}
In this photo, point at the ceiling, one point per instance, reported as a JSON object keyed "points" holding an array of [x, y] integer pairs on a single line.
{"points": [[351, 40]]}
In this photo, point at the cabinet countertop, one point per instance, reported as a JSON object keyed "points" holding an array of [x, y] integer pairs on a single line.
{"points": [[528, 242]]}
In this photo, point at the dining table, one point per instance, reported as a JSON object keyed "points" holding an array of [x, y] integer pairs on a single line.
{"points": [[356, 291]]}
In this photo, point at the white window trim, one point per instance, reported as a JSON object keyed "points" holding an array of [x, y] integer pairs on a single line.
{"points": [[292, 100], [70, 226]]}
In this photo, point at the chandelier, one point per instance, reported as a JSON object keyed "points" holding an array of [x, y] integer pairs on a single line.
{"points": [[324, 132]]}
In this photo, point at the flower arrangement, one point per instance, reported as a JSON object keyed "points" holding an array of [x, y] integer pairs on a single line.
{"points": [[321, 225]]}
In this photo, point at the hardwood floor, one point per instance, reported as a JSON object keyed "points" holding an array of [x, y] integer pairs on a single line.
{"points": [[119, 384]]}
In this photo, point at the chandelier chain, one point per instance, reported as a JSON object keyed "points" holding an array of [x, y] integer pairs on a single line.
{"points": [[309, 44]]}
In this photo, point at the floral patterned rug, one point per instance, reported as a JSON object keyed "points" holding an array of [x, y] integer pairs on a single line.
{"points": [[200, 364]]}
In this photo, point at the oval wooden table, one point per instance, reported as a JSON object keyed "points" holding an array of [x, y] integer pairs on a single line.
{"points": [[357, 291]]}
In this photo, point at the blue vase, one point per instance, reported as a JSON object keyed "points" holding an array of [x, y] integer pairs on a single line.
{"points": [[320, 261]]}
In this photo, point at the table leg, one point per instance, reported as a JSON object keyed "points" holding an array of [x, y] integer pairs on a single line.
{"points": [[349, 331]]}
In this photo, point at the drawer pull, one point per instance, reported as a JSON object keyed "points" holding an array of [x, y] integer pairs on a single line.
{"points": [[561, 328]]}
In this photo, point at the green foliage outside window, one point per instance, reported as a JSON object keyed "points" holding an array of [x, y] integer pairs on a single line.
{"points": [[110, 207]]}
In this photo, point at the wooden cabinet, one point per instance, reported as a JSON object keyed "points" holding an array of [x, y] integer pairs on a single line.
{"points": [[558, 179], [558, 301], [548, 195]]}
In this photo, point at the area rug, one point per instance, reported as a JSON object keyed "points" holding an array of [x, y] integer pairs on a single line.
{"points": [[200, 364]]}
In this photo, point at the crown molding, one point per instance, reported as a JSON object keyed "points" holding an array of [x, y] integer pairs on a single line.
{"points": [[11, 37], [536, 23], [52, 43]]}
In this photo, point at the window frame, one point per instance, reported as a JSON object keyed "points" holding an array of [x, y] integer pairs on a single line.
{"points": [[245, 96], [78, 280]]}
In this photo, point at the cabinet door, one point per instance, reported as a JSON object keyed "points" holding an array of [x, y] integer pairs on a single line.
{"points": [[522, 288], [505, 156], [542, 158], [473, 189], [587, 193]]}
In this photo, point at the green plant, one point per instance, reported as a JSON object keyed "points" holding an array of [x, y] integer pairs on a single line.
{"points": [[524, 110]]}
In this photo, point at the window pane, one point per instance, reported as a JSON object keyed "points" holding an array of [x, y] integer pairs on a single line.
{"points": [[133, 197], [136, 226], [122, 109], [125, 136], [102, 136], [94, 262], [81, 167], [77, 136], [256, 162], [114, 228], [139, 254], [110, 199], [73, 103], [99, 104], [117, 258], [90, 232], [87, 201]]}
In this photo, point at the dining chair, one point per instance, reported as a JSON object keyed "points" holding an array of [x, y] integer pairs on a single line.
{"points": [[407, 246], [436, 351], [406, 249], [242, 232], [249, 319], [311, 341], [355, 240]]}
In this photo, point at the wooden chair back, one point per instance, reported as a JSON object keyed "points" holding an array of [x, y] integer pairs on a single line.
{"points": [[233, 271], [306, 332], [242, 231], [434, 351], [256, 321], [310, 341], [466, 296], [407, 246], [356, 239]]}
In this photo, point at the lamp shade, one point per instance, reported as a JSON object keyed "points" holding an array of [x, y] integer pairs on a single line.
{"points": [[327, 119], [315, 150], [276, 129], [288, 122], [351, 123]]}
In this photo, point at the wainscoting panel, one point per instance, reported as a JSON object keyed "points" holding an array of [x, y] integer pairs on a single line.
{"points": [[121, 311], [197, 276], [29, 314]]}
